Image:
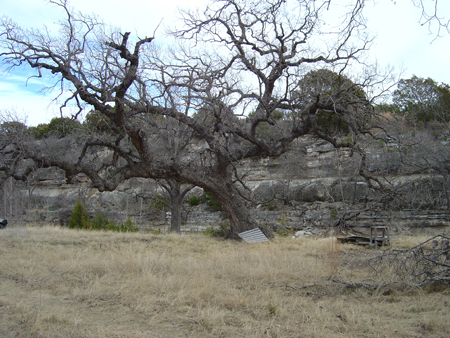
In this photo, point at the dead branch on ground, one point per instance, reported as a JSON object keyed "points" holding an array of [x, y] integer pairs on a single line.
{"points": [[424, 264]]}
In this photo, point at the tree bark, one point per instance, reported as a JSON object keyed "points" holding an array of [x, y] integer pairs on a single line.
{"points": [[235, 206], [446, 178], [175, 209], [176, 196], [239, 216]]}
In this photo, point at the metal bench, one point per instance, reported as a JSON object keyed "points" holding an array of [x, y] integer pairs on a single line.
{"points": [[253, 236]]}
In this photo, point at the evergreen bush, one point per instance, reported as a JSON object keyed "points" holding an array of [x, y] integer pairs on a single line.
{"points": [[222, 230], [194, 200], [101, 222], [159, 202], [128, 226], [79, 218], [212, 202]]}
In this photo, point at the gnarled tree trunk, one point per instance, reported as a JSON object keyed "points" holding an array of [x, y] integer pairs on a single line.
{"points": [[234, 205], [176, 196]]}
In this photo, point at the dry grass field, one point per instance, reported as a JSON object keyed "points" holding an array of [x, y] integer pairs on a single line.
{"points": [[63, 283]]}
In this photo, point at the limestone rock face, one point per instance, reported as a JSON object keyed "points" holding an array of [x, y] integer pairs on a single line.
{"points": [[306, 189]]}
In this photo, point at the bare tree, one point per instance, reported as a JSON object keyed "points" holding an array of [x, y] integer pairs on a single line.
{"points": [[422, 153], [11, 130], [424, 264], [430, 14], [176, 193], [238, 57]]}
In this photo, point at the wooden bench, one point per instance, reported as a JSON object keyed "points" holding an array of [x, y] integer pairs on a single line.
{"points": [[379, 235]]}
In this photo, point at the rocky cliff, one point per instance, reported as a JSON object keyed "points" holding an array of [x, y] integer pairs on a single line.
{"points": [[310, 188]]}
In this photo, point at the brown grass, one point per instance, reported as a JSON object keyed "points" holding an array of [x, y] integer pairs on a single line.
{"points": [[63, 283]]}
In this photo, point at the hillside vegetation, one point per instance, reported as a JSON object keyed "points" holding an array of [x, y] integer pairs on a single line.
{"points": [[56, 282]]}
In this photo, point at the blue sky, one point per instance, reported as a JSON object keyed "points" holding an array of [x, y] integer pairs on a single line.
{"points": [[401, 42]]}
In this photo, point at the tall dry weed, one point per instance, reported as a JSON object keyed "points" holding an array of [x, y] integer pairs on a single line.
{"points": [[334, 255]]}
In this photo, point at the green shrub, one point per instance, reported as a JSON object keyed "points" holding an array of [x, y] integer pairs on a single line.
{"points": [[128, 226], [53, 208], [157, 232], [211, 201], [333, 214], [347, 139], [283, 232], [58, 127], [194, 200], [79, 218], [271, 206], [159, 202], [99, 123], [221, 231], [101, 222]]}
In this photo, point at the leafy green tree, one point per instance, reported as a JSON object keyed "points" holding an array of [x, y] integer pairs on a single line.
{"points": [[384, 107], [212, 202], [327, 87], [58, 127], [422, 100], [40, 131], [264, 129], [79, 219], [276, 115], [96, 122]]}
